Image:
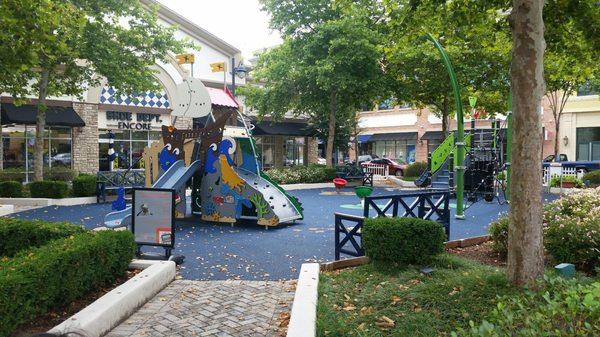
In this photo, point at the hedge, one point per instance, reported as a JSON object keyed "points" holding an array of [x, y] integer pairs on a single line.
{"points": [[52, 276], [499, 235], [84, 186], [593, 177], [17, 234], [11, 189], [49, 189], [416, 169], [302, 174], [9, 174], [402, 240], [59, 174]]}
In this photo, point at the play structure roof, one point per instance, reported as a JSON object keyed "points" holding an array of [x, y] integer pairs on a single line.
{"points": [[26, 114], [221, 97]]}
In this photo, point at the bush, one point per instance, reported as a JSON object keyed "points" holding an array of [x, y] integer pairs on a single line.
{"points": [[571, 230], [499, 235], [593, 177], [17, 234], [416, 169], [561, 308], [556, 181], [302, 174], [11, 174], [403, 240], [49, 189], [11, 189], [84, 185], [54, 275], [59, 174]]}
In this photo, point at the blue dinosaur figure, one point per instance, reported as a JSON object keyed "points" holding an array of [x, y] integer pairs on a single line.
{"points": [[119, 204], [166, 158], [211, 158]]}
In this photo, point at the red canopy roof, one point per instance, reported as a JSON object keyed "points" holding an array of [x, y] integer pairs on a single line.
{"points": [[221, 97]]}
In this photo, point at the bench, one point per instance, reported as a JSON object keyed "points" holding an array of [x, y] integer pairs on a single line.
{"points": [[354, 173], [113, 180]]}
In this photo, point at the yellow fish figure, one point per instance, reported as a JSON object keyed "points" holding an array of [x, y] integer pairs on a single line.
{"points": [[228, 175]]}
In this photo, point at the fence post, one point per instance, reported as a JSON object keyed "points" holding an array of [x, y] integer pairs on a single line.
{"points": [[337, 238], [421, 211]]}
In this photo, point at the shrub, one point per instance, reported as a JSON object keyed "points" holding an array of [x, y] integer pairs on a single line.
{"points": [[593, 177], [84, 185], [49, 189], [17, 234], [556, 181], [59, 174], [302, 174], [54, 275], [499, 235], [572, 229], [403, 240], [561, 308], [11, 189], [11, 174], [416, 169]]}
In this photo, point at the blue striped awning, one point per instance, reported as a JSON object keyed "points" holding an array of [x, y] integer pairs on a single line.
{"points": [[364, 138]]}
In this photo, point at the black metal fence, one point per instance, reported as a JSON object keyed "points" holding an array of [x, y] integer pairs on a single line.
{"points": [[112, 180], [434, 206]]}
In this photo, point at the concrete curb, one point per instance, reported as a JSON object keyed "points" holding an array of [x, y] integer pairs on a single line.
{"points": [[303, 321], [47, 202], [293, 187], [108, 311], [468, 242], [6, 209]]}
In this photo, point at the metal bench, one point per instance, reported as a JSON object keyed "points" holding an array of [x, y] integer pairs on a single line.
{"points": [[113, 180], [354, 173]]}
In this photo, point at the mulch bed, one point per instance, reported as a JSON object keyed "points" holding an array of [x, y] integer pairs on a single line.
{"points": [[55, 317], [481, 253]]}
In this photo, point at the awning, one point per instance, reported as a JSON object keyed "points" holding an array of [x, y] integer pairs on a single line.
{"points": [[26, 114], [394, 136], [364, 138], [282, 128], [221, 97], [433, 135]]}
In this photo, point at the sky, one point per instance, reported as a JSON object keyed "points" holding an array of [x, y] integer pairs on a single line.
{"points": [[240, 23]]}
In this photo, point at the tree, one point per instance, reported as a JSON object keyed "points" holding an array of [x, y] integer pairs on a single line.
{"points": [[327, 66], [66, 46], [525, 249], [475, 36], [570, 60]]}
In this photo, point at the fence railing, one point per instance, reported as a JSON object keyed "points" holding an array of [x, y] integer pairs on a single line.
{"points": [[376, 169], [554, 170], [433, 206]]}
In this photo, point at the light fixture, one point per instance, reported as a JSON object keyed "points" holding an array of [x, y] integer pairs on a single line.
{"points": [[240, 71], [566, 140]]}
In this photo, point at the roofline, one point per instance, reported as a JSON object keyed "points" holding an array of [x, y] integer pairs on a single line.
{"points": [[174, 18]]}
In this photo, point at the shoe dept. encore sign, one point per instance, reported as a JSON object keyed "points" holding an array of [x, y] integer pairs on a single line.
{"points": [[133, 121]]}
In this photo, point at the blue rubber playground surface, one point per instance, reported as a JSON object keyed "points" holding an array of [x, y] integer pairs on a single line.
{"points": [[251, 252]]}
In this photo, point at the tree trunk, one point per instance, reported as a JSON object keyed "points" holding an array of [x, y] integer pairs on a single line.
{"points": [[1, 140], [38, 157], [445, 117], [331, 130], [556, 129], [525, 250]]}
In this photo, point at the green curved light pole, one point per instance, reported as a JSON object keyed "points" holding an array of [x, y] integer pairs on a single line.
{"points": [[460, 139]]}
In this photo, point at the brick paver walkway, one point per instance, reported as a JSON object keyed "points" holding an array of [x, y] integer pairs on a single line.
{"points": [[212, 308]]}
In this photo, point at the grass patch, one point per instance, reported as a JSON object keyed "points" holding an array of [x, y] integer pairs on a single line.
{"points": [[352, 301]]}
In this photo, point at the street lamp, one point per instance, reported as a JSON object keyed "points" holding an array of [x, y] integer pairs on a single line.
{"points": [[239, 71]]}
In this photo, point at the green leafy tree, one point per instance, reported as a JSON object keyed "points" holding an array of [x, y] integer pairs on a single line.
{"points": [[570, 60], [475, 36], [65, 46], [328, 65]]}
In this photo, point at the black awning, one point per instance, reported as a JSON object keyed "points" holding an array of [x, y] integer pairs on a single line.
{"points": [[394, 136], [282, 128], [433, 135], [55, 115]]}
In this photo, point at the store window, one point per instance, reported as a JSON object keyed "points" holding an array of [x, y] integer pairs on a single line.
{"points": [[588, 143], [264, 147], [399, 150], [293, 151], [128, 146], [19, 143]]}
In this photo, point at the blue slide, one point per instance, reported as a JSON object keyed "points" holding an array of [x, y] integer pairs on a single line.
{"points": [[174, 178]]}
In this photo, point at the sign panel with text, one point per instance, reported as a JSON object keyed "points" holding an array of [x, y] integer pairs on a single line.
{"points": [[153, 216]]}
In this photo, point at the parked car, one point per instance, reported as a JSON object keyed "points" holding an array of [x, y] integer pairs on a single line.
{"points": [[394, 168], [62, 159], [321, 161], [364, 158], [580, 165]]}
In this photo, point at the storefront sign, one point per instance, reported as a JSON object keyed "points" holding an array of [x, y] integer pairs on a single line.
{"points": [[127, 120]]}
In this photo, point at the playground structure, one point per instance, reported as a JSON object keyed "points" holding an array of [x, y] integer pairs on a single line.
{"points": [[483, 161], [219, 163]]}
